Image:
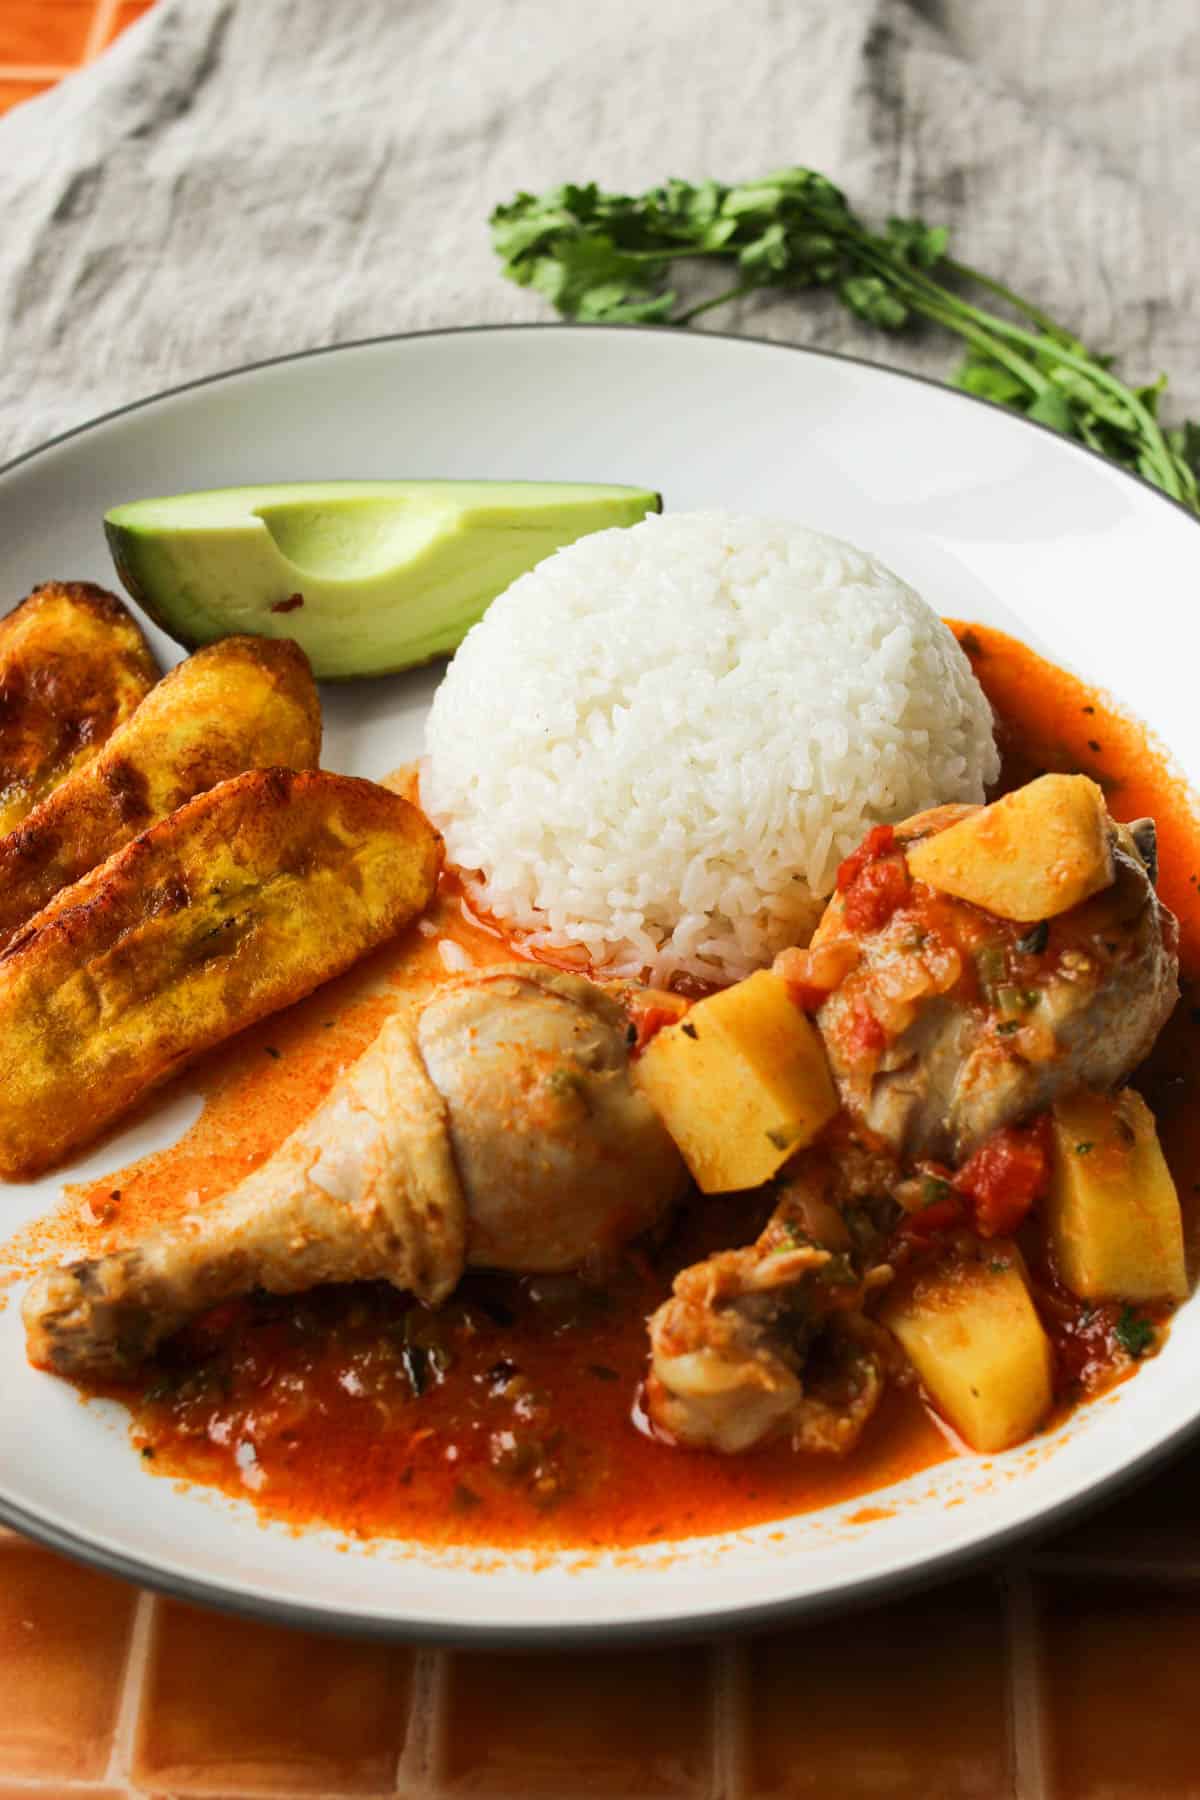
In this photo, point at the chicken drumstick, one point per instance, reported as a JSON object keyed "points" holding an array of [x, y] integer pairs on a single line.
{"points": [[499, 1127]]}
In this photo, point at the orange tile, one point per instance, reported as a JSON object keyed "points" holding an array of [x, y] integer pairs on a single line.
{"points": [[127, 12], [13, 92], [232, 1705], [64, 1632], [908, 1701], [45, 31], [620, 1722], [1122, 1670]]}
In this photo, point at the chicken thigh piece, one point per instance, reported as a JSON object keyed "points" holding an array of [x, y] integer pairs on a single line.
{"points": [[771, 1341], [943, 1023], [497, 1127]]}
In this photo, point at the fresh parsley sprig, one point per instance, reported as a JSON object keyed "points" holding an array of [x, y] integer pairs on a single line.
{"points": [[608, 258]]}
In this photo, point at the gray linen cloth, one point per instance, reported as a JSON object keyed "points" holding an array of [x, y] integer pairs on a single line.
{"points": [[241, 178]]}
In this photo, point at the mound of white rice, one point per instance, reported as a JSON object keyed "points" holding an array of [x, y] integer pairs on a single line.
{"points": [[659, 744]]}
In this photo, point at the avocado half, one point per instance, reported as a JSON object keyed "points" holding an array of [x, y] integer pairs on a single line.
{"points": [[369, 577]]}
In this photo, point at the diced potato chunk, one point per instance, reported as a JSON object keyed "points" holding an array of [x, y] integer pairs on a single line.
{"points": [[1112, 1211], [1033, 854], [970, 1331], [740, 1083]]}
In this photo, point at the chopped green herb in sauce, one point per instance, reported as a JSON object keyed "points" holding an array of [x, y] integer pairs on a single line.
{"points": [[1135, 1336]]}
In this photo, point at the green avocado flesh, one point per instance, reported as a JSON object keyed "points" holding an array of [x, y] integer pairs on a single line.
{"points": [[369, 577]]}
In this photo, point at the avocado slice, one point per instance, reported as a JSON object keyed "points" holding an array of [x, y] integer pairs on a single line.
{"points": [[369, 577]]}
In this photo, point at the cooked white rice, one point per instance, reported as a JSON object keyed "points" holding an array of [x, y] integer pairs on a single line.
{"points": [[659, 744]]}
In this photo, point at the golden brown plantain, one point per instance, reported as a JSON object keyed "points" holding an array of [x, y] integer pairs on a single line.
{"points": [[241, 902], [244, 703], [73, 667]]}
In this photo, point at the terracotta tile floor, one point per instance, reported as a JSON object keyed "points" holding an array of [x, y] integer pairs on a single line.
{"points": [[1065, 1675], [1070, 1675]]}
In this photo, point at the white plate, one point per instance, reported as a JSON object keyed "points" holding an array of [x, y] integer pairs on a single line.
{"points": [[991, 518]]}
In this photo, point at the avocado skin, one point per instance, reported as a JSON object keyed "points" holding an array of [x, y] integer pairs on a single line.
{"points": [[370, 578], [127, 575]]}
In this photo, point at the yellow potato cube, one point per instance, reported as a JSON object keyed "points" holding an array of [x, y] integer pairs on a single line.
{"points": [[1112, 1211], [971, 1333], [740, 1084], [1033, 854]]}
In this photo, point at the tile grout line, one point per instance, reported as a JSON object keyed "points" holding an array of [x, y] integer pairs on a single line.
{"points": [[422, 1754], [81, 1787], [35, 71], [103, 20], [120, 1759], [1025, 1710], [729, 1702]]}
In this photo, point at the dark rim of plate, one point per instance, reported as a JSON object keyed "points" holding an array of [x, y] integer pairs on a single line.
{"points": [[937, 1567]]}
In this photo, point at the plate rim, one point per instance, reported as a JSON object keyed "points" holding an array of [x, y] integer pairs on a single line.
{"points": [[667, 1628], [862, 1592], [572, 327]]}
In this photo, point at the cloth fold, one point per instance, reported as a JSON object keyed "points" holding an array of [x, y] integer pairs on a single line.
{"points": [[237, 179]]}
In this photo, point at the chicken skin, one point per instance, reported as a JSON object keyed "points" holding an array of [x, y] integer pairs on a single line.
{"points": [[944, 1023], [771, 1341], [497, 1127], [562, 1158]]}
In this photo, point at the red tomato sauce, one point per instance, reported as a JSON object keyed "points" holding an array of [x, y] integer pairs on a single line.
{"points": [[511, 1417]]}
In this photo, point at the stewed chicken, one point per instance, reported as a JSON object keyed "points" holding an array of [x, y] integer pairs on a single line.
{"points": [[499, 1126], [946, 1026], [948, 1022], [958, 993]]}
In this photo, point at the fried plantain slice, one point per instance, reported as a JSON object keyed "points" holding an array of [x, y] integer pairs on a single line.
{"points": [[243, 703], [73, 667], [241, 902]]}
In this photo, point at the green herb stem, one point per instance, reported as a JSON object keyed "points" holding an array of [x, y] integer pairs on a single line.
{"points": [[604, 257], [963, 272], [733, 293], [975, 328]]}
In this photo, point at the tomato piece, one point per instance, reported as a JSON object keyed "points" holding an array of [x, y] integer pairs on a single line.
{"points": [[880, 889], [935, 1206], [879, 841], [1006, 1175], [873, 881], [937, 1215], [864, 1035], [648, 1021]]}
